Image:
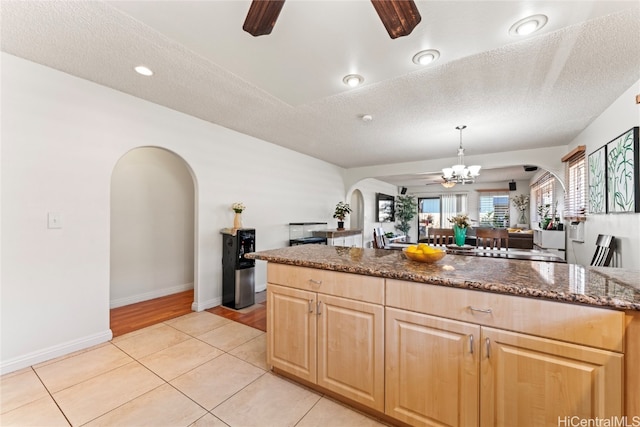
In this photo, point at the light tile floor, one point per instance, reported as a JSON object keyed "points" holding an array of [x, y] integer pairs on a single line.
{"points": [[197, 370]]}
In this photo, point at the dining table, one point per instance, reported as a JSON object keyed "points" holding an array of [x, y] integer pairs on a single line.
{"points": [[506, 253]]}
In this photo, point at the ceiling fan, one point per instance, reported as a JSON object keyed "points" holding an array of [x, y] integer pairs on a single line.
{"points": [[399, 17]]}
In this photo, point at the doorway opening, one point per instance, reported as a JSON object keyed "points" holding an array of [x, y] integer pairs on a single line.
{"points": [[152, 230], [357, 211]]}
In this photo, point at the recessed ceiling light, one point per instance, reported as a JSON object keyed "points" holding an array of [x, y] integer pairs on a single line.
{"points": [[425, 57], [353, 80], [528, 25], [141, 69]]}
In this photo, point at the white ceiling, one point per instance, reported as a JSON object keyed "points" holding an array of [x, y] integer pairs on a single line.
{"points": [[286, 88]]}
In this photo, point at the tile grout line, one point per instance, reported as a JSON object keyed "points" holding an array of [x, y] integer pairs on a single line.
{"points": [[50, 395], [167, 382]]}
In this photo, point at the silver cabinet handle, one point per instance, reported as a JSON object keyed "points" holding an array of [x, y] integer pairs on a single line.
{"points": [[481, 310], [319, 308], [310, 306], [487, 343], [471, 343], [316, 282]]}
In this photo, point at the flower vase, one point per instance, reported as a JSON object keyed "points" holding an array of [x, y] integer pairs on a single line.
{"points": [[459, 235], [523, 218], [237, 220]]}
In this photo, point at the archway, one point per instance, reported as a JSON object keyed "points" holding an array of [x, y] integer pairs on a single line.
{"points": [[152, 226], [357, 211]]}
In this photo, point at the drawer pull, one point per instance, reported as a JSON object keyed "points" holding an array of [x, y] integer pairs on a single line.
{"points": [[310, 306], [316, 282], [481, 310], [471, 343], [488, 344], [319, 307]]}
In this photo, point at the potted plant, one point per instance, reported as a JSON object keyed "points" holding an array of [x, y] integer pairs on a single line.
{"points": [[406, 210], [342, 210], [237, 207], [543, 216]]}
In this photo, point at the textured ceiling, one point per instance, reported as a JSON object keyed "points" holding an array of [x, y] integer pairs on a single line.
{"points": [[286, 88]]}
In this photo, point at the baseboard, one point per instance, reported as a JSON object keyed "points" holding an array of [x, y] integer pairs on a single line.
{"points": [[201, 306], [52, 352], [156, 293], [261, 288]]}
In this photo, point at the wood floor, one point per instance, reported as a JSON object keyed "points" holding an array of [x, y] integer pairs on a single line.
{"points": [[140, 315]]}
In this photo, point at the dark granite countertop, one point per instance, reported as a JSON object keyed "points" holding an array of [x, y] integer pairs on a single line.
{"points": [[596, 286]]}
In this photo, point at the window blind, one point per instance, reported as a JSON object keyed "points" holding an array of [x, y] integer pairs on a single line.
{"points": [[494, 208], [575, 199], [543, 189]]}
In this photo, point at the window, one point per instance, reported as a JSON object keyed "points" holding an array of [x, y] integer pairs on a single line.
{"points": [[575, 200], [428, 215], [543, 190], [494, 208], [435, 211], [452, 205]]}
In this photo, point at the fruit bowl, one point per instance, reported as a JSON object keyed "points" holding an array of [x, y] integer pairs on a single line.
{"points": [[430, 256]]}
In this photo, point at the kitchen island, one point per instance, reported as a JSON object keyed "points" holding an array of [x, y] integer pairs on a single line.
{"points": [[465, 341]]}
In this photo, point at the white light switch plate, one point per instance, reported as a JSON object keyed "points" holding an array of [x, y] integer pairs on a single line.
{"points": [[54, 220]]}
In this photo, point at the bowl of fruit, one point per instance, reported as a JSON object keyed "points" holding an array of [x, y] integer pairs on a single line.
{"points": [[424, 253]]}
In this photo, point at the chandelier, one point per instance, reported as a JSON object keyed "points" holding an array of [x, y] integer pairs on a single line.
{"points": [[459, 173]]}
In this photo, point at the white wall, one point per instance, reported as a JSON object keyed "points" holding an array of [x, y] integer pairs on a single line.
{"points": [[369, 187], [622, 115], [61, 139], [152, 219]]}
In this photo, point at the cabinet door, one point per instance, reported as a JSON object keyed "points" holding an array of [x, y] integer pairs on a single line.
{"points": [[530, 381], [291, 331], [351, 349], [432, 371]]}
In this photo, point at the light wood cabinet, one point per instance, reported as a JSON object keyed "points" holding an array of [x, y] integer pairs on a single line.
{"points": [[429, 355], [351, 349], [434, 365], [291, 313], [328, 340], [530, 382], [432, 374]]}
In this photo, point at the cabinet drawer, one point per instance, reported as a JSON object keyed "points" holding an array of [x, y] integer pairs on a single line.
{"points": [[352, 286], [595, 327]]}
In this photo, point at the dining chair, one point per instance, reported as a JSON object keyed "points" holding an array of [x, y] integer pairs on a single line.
{"points": [[605, 246], [441, 236], [492, 238]]}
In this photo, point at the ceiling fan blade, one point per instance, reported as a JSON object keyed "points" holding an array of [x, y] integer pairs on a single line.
{"points": [[399, 17], [262, 17]]}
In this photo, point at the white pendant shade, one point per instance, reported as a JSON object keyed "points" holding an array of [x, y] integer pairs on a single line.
{"points": [[474, 170]]}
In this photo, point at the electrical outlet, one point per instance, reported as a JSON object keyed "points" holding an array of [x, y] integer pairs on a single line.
{"points": [[54, 220]]}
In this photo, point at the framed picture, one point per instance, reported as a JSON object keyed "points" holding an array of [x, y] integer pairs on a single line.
{"points": [[623, 182], [385, 208], [597, 167]]}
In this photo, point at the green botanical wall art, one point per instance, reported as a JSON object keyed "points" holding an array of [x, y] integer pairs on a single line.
{"points": [[597, 181], [622, 173]]}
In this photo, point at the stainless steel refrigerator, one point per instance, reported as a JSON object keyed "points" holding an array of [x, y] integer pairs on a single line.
{"points": [[238, 272]]}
